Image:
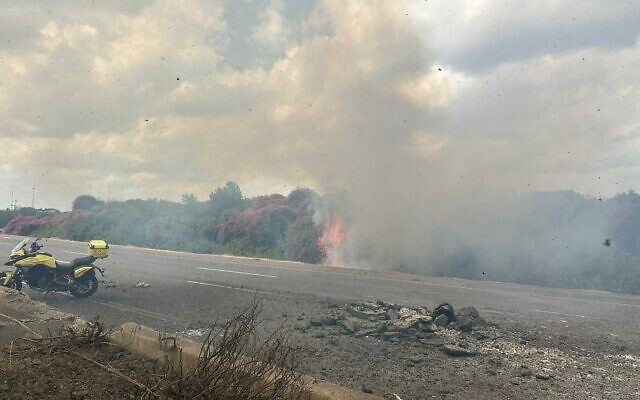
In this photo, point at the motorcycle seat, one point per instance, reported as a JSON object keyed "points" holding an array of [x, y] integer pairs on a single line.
{"points": [[63, 265]]}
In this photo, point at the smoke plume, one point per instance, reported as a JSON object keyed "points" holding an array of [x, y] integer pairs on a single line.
{"points": [[423, 128]]}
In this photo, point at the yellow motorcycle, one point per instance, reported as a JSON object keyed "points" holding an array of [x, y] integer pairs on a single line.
{"points": [[42, 272]]}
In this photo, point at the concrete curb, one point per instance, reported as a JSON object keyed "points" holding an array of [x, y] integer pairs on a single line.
{"points": [[178, 252], [155, 345], [137, 339]]}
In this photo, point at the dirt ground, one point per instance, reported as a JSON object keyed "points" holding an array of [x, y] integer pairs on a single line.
{"points": [[511, 361], [514, 358], [505, 367], [30, 371]]}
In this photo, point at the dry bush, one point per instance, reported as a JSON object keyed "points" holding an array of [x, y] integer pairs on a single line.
{"points": [[92, 333], [235, 364]]}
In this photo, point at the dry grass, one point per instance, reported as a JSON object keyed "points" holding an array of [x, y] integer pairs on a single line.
{"points": [[234, 364]]}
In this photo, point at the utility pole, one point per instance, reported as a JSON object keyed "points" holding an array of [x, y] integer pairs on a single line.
{"points": [[11, 204], [33, 197]]}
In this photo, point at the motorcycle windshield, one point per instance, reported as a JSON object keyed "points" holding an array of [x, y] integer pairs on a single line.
{"points": [[20, 245]]}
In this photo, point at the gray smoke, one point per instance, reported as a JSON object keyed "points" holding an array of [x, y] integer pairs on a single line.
{"points": [[428, 159], [429, 180]]}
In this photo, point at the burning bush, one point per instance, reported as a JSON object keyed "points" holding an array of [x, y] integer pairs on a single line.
{"points": [[303, 241], [300, 199], [275, 226], [331, 240], [264, 224]]}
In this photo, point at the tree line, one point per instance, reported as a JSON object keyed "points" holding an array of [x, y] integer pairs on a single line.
{"points": [[558, 238], [274, 226]]}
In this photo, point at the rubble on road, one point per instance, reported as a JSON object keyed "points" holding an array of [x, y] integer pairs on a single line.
{"points": [[457, 351], [194, 332], [522, 370], [393, 322]]}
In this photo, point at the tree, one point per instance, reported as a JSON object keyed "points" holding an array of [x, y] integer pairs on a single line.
{"points": [[302, 241], [85, 202], [189, 199], [300, 198], [225, 199]]}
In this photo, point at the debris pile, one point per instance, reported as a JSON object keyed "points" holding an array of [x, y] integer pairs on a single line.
{"points": [[389, 321]]}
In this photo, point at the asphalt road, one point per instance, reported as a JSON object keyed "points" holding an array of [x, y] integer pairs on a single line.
{"points": [[189, 290]]}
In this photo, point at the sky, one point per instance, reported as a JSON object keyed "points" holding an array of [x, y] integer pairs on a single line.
{"points": [[155, 98]]}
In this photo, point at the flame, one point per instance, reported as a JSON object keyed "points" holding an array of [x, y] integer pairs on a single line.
{"points": [[332, 237]]}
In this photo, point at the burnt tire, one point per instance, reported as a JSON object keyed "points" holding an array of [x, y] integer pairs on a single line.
{"points": [[85, 287], [13, 285]]}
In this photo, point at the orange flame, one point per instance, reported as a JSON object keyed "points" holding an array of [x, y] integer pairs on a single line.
{"points": [[332, 237]]}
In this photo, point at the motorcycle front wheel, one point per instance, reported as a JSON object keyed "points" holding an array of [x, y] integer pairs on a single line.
{"points": [[85, 286], [13, 285]]}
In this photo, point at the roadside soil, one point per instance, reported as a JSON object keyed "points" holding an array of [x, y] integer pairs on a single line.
{"points": [[31, 370], [554, 357], [511, 360]]}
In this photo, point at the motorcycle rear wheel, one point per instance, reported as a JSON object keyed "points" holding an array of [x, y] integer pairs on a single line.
{"points": [[13, 285], [86, 286]]}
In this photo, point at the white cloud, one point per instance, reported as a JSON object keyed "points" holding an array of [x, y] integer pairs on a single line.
{"points": [[419, 114], [146, 91], [273, 31], [481, 34]]}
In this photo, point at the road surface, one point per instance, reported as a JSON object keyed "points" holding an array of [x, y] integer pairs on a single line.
{"points": [[190, 290]]}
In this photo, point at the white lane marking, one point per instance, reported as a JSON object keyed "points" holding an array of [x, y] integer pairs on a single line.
{"points": [[395, 280], [235, 272], [498, 312], [73, 252], [151, 253], [258, 265], [154, 252], [233, 288], [317, 271], [7, 237], [478, 289], [222, 256], [8, 244], [564, 314]]}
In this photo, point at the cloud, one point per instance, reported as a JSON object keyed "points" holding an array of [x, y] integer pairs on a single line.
{"points": [[410, 128], [478, 35], [97, 73], [273, 31]]}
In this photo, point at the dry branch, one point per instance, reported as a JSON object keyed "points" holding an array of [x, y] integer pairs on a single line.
{"points": [[17, 321]]}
